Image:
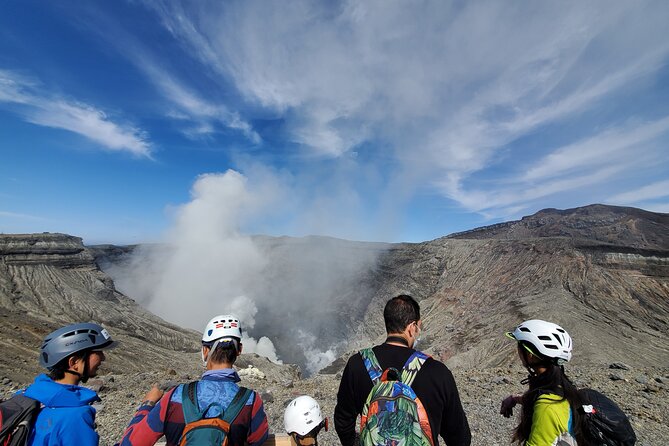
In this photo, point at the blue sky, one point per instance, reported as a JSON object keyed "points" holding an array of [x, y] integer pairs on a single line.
{"points": [[378, 120]]}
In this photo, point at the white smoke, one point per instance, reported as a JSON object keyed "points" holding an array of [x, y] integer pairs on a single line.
{"points": [[290, 289], [316, 358], [206, 265]]}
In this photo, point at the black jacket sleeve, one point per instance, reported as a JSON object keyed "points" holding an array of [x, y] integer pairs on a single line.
{"points": [[345, 413], [454, 425]]}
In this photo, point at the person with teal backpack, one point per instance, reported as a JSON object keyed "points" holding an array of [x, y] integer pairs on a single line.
{"points": [[214, 410], [402, 395]]}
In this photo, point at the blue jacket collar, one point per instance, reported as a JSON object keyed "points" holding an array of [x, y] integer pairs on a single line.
{"points": [[221, 375], [53, 394]]}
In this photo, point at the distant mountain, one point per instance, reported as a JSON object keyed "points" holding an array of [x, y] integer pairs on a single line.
{"points": [[622, 226], [600, 271]]}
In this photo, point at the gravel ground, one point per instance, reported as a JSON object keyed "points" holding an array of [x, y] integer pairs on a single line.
{"points": [[641, 393]]}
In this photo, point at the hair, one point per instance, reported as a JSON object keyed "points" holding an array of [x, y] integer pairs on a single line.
{"points": [[225, 352], [555, 381], [399, 312], [57, 372]]}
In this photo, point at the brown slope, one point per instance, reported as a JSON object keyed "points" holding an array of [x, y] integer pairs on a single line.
{"points": [[604, 282], [49, 280]]}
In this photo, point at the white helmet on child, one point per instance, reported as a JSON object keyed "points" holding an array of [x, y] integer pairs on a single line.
{"points": [[302, 416], [223, 326], [548, 339]]}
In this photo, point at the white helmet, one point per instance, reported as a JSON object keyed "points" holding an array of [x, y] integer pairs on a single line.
{"points": [[223, 326], [302, 416], [548, 339]]}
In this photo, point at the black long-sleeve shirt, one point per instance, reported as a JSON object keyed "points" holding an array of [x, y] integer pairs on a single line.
{"points": [[434, 385]]}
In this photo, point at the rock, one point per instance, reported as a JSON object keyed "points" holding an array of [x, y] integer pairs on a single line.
{"points": [[619, 366], [501, 380], [167, 385], [267, 396], [251, 372], [652, 388], [96, 385], [616, 376], [641, 379], [172, 372]]}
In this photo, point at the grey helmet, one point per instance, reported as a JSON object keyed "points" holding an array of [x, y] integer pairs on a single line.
{"points": [[71, 339]]}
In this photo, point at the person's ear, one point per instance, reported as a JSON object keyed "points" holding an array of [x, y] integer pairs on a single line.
{"points": [[240, 349]]}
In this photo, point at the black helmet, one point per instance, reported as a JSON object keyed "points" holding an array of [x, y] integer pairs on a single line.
{"points": [[71, 339]]}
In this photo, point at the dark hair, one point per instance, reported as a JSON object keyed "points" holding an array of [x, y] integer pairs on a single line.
{"points": [[57, 372], [399, 312], [224, 353], [554, 381]]}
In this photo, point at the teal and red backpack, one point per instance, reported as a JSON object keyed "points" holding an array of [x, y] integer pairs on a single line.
{"points": [[215, 431], [393, 415]]}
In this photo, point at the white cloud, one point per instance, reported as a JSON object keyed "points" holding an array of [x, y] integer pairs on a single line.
{"points": [[41, 108], [190, 105], [441, 88], [612, 146], [652, 191]]}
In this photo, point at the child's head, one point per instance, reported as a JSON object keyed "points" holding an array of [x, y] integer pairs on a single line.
{"points": [[303, 420]]}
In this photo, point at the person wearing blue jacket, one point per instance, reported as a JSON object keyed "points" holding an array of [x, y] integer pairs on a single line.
{"points": [[72, 354]]}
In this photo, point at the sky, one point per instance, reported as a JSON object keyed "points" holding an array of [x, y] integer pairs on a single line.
{"points": [[377, 120]]}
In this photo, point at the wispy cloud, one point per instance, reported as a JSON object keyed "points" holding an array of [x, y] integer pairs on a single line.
{"points": [[651, 191], [442, 89], [30, 100], [191, 106], [572, 169], [195, 106], [616, 146]]}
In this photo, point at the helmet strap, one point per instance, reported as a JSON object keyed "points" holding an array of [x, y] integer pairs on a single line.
{"points": [[72, 372], [85, 375]]}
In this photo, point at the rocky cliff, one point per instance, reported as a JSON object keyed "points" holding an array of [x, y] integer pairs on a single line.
{"points": [[48, 280], [601, 271]]}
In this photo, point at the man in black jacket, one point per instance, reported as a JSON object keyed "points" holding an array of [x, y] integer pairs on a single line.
{"points": [[434, 385]]}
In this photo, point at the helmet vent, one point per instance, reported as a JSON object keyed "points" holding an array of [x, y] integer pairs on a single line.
{"points": [[545, 338], [552, 347], [525, 329], [67, 335], [557, 338]]}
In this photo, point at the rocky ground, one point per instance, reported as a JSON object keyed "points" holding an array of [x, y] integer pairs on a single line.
{"points": [[641, 392]]}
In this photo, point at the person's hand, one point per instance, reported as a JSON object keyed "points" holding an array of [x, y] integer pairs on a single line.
{"points": [[154, 395], [508, 404]]}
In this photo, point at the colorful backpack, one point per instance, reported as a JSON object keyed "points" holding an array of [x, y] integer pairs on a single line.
{"points": [[214, 431], [17, 416], [393, 415]]}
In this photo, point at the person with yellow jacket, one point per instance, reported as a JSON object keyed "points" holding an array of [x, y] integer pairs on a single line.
{"points": [[549, 416]]}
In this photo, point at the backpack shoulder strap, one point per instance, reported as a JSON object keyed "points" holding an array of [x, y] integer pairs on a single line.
{"points": [[237, 404], [189, 402], [412, 367], [371, 364]]}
